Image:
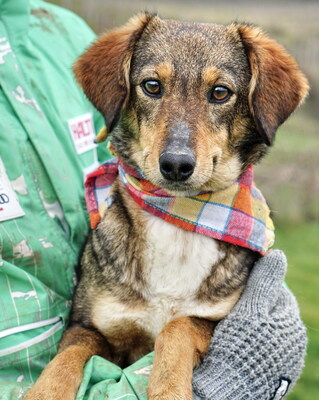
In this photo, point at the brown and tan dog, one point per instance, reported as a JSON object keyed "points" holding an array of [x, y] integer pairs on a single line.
{"points": [[192, 106]]}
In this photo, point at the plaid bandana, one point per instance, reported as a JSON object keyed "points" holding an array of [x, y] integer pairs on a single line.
{"points": [[238, 214]]}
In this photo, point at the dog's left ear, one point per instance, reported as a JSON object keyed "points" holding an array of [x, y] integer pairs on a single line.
{"points": [[277, 85], [103, 70]]}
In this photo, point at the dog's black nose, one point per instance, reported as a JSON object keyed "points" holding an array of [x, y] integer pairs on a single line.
{"points": [[176, 167]]}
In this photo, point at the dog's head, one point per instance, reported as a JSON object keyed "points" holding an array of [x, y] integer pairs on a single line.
{"points": [[191, 105]]}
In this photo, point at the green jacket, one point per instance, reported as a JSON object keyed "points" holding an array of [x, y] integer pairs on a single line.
{"points": [[46, 147]]}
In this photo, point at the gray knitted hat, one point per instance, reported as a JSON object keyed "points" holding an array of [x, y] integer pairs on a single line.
{"points": [[258, 351]]}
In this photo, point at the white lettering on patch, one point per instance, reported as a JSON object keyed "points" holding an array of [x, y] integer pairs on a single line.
{"points": [[9, 204], [82, 132]]}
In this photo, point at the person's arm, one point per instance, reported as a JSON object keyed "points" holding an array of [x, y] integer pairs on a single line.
{"points": [[258, 351]]}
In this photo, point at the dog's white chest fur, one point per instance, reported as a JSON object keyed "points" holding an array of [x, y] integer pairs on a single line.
{"points": [[176, 264], [176, 261]]}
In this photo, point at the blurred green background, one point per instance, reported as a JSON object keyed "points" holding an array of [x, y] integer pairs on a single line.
{"points": [[289, 175]]}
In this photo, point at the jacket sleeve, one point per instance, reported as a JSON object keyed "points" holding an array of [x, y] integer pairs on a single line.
{"points": [[40, 165]]}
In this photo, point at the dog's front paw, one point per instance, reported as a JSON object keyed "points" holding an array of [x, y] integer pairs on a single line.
{"points": [[50, 386], [38, 395], [50, 392], [169, 392]]}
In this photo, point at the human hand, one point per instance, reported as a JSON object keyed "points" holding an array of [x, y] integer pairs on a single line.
{"points": [[258, 350]]}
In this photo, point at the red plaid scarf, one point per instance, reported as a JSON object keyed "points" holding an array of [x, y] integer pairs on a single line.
{"points": [[238, 214]]}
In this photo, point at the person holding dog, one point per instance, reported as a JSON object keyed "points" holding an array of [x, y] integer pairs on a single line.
{"points": [[46, 149]]}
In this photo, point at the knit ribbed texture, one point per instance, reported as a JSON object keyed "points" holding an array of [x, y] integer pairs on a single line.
{"points": [[261, 342]]}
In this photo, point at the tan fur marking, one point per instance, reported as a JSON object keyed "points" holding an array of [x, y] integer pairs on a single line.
{"points": [[210, 75], [164, 70], [152, 142], [213, 155], [178, 348]]}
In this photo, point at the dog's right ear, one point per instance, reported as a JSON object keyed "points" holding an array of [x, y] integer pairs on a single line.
{"points": [[103, 70]]}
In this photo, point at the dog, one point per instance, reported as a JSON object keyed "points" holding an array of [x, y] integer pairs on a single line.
{"points": [[191, 106]]}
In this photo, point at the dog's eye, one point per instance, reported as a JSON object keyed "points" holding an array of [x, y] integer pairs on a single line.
{"points": [[219, 94], [152, 88]]}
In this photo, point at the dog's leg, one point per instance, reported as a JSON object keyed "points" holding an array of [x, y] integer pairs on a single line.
{"points": [[62, 376], [178, 349]]}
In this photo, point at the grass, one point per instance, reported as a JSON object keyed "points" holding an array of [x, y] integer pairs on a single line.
{"points": [[300, 243], [289, 174]]}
